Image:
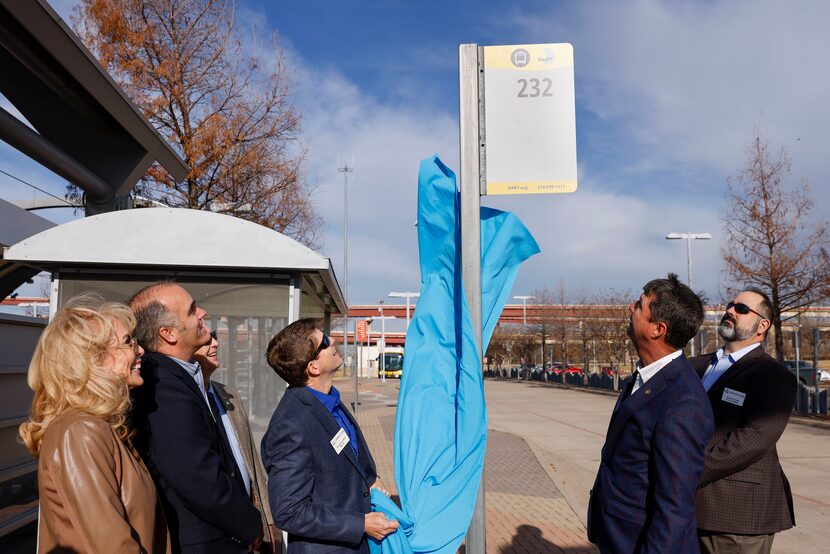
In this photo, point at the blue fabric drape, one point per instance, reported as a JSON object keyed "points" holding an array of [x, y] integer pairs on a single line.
{"points": [[441, 424]]}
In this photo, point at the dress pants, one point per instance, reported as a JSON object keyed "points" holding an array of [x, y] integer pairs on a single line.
{"points": [[725, 543]]}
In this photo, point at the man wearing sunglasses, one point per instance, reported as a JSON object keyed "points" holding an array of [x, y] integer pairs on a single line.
{"points": [[744, 497], [319, 467], [235, 429]]}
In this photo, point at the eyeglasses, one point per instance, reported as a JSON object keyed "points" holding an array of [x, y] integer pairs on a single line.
{"points": [[743, 309], [213, 335], [129, 343], [325, 343]]}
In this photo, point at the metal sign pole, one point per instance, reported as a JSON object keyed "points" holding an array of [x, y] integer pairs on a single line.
{"points": [[469, 66]]}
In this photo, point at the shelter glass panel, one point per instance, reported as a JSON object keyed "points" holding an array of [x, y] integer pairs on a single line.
{"points": [[245, 317]]}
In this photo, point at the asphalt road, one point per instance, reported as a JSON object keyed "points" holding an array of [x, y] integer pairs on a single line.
{"points": [[566, 430]]}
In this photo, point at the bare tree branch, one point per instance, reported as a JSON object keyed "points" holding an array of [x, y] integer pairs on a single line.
{"points": [[772, 242]]}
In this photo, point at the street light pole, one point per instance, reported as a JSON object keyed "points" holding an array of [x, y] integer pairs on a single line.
{"points": [[345, 170], [406, 295], [524, 300], [382, 344], [689, 237]]}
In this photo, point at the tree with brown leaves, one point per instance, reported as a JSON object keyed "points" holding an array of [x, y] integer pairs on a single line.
{"points": [[771, 241], [223, 108]]}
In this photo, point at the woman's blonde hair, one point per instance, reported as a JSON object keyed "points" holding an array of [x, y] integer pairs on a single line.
{"points": [[68, 368]]}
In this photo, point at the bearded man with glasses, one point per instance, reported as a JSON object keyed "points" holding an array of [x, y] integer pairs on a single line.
{"points": [[319, 467], [744, 497]]}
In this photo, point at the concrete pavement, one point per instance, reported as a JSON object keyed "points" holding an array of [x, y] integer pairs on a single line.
{"points": [[542, 457], [526, 510], [566, 427]]}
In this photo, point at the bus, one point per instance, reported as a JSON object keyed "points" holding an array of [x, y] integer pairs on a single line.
{"points": [[392, 365]]}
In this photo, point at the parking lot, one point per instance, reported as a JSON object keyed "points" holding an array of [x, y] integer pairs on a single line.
{"points": [[566, 428]]}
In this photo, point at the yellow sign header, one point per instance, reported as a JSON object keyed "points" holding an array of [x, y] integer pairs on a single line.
{"points": [[529, 57]]}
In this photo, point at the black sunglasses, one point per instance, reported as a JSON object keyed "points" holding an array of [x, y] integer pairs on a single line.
{"points": [[743, 309], [213, 335], [325, 343]]}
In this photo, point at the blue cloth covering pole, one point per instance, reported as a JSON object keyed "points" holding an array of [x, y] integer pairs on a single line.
{"points": [[441, 424]]}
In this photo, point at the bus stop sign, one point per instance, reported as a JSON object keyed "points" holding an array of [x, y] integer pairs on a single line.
{"points": [[529, 118]]}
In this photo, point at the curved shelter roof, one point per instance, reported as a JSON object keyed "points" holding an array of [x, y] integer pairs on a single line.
{"points": [[87, 130], [176, 238]]}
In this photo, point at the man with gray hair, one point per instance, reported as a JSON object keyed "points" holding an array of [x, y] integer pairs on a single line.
{"points": [[178, 434], [744, 497]]}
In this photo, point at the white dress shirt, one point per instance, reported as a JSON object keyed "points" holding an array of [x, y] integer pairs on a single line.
{"points": [[646, 373], [236, 448]]}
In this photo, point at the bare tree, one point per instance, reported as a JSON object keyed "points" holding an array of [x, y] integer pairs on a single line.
{"points": [[541, 320], [561, 323], [771, 241], [611, 328], [500, 349], [586, 334], [227, 112]]}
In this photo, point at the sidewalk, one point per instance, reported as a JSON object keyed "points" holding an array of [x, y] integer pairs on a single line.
{"points": [[526, 512]]}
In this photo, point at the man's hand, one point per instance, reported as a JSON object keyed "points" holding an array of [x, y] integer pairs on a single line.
{"points": [[378, 484], [377, 526], [257, 542]]}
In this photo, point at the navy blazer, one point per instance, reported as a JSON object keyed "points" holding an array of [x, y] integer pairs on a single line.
{"points": [[204, 498], [319, 497], [643, 498]]}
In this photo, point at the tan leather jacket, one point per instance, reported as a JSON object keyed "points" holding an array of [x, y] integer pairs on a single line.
{"points": [[95, 493]]}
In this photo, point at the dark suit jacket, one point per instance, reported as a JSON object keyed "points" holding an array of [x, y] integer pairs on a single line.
{"points": [[229, 397], [643, 498], [743, 488], [318, 496], [205, 502]]}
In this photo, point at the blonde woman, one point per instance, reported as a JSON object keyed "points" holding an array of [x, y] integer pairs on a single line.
{"points": [[95, 493]]}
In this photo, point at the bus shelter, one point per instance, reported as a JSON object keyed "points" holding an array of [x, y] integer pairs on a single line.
{"points": [[251, 280]]}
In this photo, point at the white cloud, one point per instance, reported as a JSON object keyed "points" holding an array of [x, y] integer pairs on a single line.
{"points": [[385, 145], [690, 81], [594, 239], [598, 240], [676, 90]]}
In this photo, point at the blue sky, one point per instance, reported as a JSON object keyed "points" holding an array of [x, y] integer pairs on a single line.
{"points": [[668, 96]]}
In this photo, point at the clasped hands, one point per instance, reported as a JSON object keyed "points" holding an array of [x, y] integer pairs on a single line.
{"points": [[376, 524]]}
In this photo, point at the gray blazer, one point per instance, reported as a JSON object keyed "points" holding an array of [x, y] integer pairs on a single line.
{"points": [[229, 397], [743, 489]]}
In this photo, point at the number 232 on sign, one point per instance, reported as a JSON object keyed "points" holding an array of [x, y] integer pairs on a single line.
{"points": [[536, 87]]}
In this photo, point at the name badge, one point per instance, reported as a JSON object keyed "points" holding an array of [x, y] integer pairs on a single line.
{"points": [[340, 440], [733, 397]]}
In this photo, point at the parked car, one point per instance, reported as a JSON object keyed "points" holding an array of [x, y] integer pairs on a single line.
{"points": [[525, 372], [568, 370], [806, 371]]}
